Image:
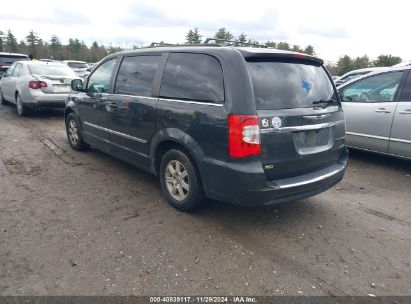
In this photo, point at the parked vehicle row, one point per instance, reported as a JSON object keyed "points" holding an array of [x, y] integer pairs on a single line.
{"points": [[242, 125], [36, 84]]}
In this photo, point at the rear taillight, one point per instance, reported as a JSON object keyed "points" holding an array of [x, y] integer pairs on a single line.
{"points": [[37, 84], [243, 136]]}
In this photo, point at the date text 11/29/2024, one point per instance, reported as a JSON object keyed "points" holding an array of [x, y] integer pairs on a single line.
{"points": [[198, 299]]}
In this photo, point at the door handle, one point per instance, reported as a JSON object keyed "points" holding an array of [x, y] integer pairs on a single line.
{"points": [[112, 104], [382, 110], [408, 111]]}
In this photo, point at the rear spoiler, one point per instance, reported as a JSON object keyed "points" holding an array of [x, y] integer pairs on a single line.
{"points": [[261, 56]]}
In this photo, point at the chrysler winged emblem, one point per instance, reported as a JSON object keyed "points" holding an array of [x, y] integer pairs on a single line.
{"points": [[265, 123]]}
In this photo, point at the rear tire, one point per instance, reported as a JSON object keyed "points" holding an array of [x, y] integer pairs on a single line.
{"points": [[22, 110], [180, 181], [74, 136]]}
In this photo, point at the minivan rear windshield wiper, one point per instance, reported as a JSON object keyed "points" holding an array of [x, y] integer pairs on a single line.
{"points": [[324, 102]]}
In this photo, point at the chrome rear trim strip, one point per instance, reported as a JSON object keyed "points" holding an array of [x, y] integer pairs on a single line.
{"points": [[310, 181], [303, 127], [115, 132], [316, 117]]}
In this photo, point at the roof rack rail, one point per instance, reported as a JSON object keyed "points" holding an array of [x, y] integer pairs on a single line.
{"points": [[232, 43], [160, 44], [163, 44]]}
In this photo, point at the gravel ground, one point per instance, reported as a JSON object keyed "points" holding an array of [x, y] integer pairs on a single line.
{"points": [[83, 223]]}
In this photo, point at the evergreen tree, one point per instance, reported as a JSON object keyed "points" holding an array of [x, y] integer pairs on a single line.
{"points": [[94, 52], [242, 38], [2, 41], [56, 48], [32, 42], [283, 46], [309, 50], [344, 65], [387, 60], [361, 62], [23, 47], [296, 48], [11, 43], [223, 34], [193, 36], [73, 47]]}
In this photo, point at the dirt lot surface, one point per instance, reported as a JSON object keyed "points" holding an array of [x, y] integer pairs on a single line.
{"points": [[83, 223]]}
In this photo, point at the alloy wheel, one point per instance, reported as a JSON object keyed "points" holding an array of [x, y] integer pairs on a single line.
{"points": [[73, 131], [177, 180]]}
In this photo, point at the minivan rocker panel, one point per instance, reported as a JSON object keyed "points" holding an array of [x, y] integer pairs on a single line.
{"points": [[210, 113]]}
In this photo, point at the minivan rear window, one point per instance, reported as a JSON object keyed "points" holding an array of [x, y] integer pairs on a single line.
{"points": [[285, 85]]}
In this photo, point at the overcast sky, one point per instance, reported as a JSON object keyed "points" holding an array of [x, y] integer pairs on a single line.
{"points": [[334, 28]]}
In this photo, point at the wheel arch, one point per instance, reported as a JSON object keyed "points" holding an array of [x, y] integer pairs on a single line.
{"points": [[175, 139], [69, 109]]}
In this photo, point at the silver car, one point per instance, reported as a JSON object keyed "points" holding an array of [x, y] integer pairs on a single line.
{"points": [[377, 110], [81, 68], [34, 84]]}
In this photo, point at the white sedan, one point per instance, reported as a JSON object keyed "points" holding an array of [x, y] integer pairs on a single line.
{"points": [[36, 84]]}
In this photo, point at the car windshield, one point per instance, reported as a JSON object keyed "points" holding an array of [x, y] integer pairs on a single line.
{"points": [[78, 65], [50, 70], [8, 60], [285, 85]]}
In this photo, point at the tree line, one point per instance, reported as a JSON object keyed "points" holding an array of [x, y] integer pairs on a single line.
{"points": [[346, 63], [79, 50], [193, 36], [76, 49]]}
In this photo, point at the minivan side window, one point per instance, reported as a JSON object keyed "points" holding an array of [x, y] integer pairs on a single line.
{"points": [[136, 75], [378, 88], [190, 76], [406, 90], [99, 81]]}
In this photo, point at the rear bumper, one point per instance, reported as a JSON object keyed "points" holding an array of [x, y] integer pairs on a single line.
{"points": [[246, 184], [48, 101]]}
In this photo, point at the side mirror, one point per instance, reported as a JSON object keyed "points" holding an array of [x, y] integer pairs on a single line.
{"points": [[77, 85]]}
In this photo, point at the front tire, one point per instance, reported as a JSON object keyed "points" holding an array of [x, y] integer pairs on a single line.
{"points": [[74, 136], [180, 181], [22, 110]]}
